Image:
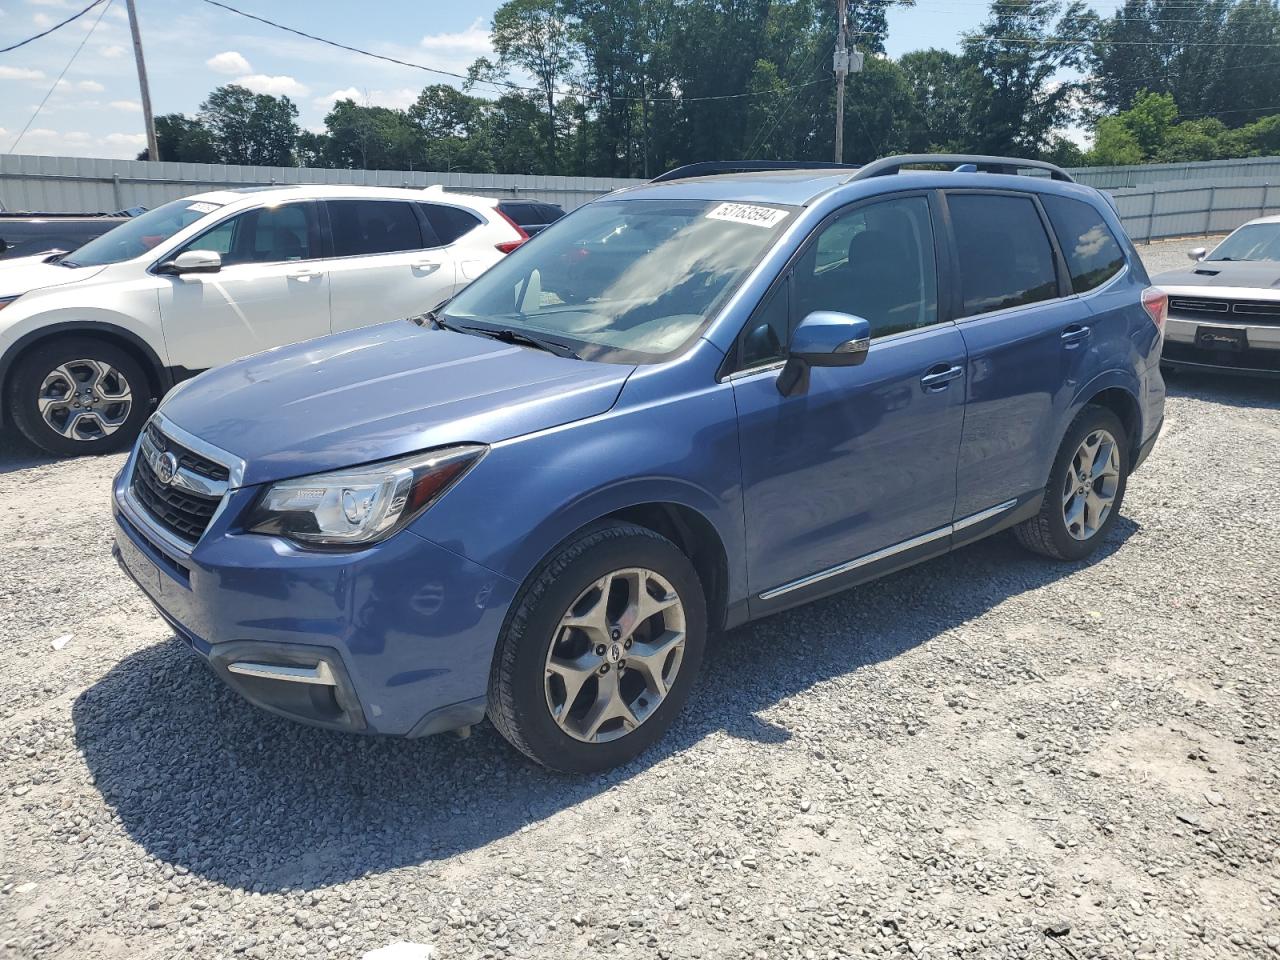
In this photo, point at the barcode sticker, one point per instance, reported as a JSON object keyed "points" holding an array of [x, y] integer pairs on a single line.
{"points": [[202, 207], [748, 213]]}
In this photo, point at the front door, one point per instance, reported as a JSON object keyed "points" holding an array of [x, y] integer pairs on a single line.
{"points": [[860, 463], [273, 288]]}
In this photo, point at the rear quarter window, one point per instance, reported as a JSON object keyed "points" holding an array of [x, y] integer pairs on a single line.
{"points": [[1093, 254], [450, 223]]}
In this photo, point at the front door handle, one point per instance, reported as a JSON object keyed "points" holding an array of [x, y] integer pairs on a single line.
{"points": [[304, 274], [1075, 335], [940, 375]]}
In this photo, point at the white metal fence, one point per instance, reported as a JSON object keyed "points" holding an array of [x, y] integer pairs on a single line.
{"points": [[77, 184], [1155, 200]]}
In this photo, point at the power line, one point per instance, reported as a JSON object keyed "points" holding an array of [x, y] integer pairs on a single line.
{"points": [[499, 84], [56, 26], [103, 13]]}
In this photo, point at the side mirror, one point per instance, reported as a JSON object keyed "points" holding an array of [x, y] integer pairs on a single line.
{"points": [[193, 261], [824, 339], [1198, 254]]}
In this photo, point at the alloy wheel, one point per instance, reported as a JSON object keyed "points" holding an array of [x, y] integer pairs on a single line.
{"points": [[615, 655], [85, 399], [1089, 490]]}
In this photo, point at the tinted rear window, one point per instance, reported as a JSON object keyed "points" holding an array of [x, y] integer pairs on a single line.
{"points": [[450, 223], [373, 226], [1005, 256], [525, 214], [1093, 254]]}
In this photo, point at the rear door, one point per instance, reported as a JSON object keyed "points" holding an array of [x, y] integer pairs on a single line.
{"points": [[1028, 343], [387, 262], [272, 290], [857, 469], [454, 228]]}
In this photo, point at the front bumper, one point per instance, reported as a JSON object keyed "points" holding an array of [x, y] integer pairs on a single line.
{"points": [[395, 639], [1188, 346]]}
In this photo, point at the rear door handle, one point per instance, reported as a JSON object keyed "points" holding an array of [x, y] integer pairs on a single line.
{"points": [[426, 266], [304, 274], [1075, 334], [940, 375]]}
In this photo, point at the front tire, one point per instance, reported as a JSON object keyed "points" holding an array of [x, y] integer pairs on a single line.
{"points": [[601, 648], [1086, 488], [79, 396]]}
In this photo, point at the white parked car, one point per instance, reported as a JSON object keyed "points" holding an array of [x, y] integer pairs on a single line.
{"points": [[89, 339]]}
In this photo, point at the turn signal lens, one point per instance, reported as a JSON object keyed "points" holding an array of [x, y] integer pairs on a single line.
{"points": [[1156, 302]]}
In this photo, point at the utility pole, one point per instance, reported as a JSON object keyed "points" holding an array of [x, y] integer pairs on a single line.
{"points": [[842, 70], [153, 147]]}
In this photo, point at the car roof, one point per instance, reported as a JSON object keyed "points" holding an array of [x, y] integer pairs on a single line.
{"points": [[339, 191], [1272, 219], [801, 187]]}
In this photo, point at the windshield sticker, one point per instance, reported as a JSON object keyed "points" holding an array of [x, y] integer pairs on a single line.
{"points": [[749, 213], [202, 207]]}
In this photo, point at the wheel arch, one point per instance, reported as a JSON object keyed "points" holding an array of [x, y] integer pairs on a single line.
{"points": [[1118, 392], [160, 379]]}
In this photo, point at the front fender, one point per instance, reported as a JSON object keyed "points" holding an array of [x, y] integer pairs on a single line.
{"points": [[530, 493]]}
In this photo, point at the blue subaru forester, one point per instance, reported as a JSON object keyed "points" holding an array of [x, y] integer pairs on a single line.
{"points": [[686, 405]]}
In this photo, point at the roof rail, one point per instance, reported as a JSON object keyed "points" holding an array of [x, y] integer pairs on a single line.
{"points": [[706, 168], [892, 165]]}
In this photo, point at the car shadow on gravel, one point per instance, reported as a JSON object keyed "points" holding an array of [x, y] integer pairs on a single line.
{"points": [[203, 781], [1258, 393], [18, 453]]}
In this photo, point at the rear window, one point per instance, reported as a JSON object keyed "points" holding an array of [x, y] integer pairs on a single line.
{"points": [[525, 214], [1005, 256], [1092, 251], [363, 227], [449, 223]]}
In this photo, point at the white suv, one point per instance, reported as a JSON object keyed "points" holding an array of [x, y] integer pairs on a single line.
{"points": [[89, 339]]}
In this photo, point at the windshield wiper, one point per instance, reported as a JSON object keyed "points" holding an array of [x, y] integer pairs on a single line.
{"points": [[507, 335]]}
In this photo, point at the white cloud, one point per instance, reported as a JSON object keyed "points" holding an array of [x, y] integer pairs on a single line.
{"points": [[20, 73], [473, 41], [282, 85], [90, 86], [399, 99], [135, 140], [60, 4], [113, 52], [42, 20], [132, 106], [228, 62]]}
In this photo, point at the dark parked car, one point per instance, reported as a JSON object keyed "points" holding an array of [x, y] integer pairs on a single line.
{"points": [[29, 234]]}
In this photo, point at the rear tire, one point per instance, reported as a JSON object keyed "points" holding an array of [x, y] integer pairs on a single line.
{"points": [[1086, 488], [600, 649], [79, 396]]}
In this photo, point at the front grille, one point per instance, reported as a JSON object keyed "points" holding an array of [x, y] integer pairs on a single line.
{"points": [[1213, 309], [182, 512], [186, 458]]}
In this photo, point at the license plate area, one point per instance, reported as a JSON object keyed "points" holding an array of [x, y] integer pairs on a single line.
{"points": [[140, 566], [1231, 339]]}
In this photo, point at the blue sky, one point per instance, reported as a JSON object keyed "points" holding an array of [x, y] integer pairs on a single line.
{"points": [[192, 47]]}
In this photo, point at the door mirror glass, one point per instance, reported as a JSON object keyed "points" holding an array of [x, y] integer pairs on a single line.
{"points": [[1198, 254], [193, 261]]}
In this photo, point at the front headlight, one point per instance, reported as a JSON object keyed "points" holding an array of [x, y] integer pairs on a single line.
{"points": [[362, 505]]}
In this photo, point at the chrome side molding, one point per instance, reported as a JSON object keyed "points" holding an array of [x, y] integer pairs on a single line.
{"points": [[886, 552], [319, 675]]}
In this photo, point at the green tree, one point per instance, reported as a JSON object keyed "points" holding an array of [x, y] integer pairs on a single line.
{"points": [[1021, 53], [183, 139], [453, 129], [944, 85], [251, 128], [1205, 139], [1150, 119], [371, 138], [535, 36], [1114, 144]]}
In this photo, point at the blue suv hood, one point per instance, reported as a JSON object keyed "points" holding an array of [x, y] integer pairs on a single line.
{"points": [[381, 392]]}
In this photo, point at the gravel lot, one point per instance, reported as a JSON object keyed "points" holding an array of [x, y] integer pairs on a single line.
{"points": [[989, 755]]}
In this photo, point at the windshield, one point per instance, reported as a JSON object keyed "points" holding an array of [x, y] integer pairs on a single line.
{"points": [[1254, 241], [629, 281], [136, 237]]}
